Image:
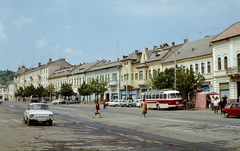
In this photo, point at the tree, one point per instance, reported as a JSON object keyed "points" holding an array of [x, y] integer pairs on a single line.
{"points": [[40, 90], [165, 44], [66, 89], [99, 86], [188, 81], [29, 90], [162, 80], [84, 89], [103, 86]]}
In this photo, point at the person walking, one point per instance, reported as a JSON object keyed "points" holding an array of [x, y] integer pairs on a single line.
{"points": [[144, 109], [97, 110], [104, 104], [222, 104], [212, 100], [215, 104]]}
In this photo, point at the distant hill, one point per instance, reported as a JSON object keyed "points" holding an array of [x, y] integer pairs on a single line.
{"points": [[6, 77]]}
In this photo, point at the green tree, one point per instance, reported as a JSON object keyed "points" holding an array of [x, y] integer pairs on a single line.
{"points": [[84, 89], [66, 89], [29, 90], [188, 81], [40, 90], [162, 80], [165, 44]]}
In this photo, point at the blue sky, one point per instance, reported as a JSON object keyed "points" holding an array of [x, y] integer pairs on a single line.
{"points": [[33, 31]]}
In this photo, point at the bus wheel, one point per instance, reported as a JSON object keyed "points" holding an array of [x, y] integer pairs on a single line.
{"points": [[158, 107]]}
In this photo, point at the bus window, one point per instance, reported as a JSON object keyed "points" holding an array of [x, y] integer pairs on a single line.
{"points": [[145, 96], [171, 96], [161, 96], [157, 95], [164, 96], [153, 95], [150, 95], [178, 95]]}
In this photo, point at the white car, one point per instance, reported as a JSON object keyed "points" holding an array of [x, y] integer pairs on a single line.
{"points": [[38, 112], [109, 103], [59, 101], [117, 103]]}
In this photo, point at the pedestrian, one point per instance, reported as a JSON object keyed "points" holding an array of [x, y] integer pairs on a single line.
{"points": [[97, 109], [104, 104], [222, 104], [215, 104], [212, 100], [144, 109], [228, 102]]}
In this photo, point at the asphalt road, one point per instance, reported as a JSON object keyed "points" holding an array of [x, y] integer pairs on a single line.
{"points": [[119, 129]]}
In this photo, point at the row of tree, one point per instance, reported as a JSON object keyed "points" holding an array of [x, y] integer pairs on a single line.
{"points": [[6, 77], [187, 81], [96, 86]]}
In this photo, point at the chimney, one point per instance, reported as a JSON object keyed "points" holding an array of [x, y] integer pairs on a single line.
{"points": [[50, 60], [160, 46], [136, 51], [83, 62], [63, 59], [39, 64], [173, 43], [185, 40], [80, 63], [117, 58], [109, 60], [154, 47]]}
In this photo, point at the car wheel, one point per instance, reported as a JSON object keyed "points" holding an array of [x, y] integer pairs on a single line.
{"points": [[226, 115], [55, 103], [50, 123], [158, 107]]}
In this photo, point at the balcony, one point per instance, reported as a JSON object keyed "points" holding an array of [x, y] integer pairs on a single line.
{"points": [[233, 72], [113, 83]]}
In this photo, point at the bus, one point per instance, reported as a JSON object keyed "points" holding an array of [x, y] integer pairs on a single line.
{"points": [[162, 99]]}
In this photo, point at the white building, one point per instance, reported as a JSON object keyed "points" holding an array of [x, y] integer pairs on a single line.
{"points": [[226, 62]]}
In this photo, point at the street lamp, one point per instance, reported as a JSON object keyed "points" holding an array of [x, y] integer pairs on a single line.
{"points": [[126, 81], [175, 80]]}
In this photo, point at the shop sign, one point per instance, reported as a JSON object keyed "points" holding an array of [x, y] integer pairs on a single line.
{"points": [[206, 83]]}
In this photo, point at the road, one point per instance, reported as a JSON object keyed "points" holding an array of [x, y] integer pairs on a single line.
{"points": [[119, 129]]}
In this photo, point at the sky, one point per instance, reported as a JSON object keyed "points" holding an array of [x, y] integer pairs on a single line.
{"points": [[33, 31]]}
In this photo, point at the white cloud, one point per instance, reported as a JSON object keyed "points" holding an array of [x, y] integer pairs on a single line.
{"points": [[72, 51], [42, 43], [2, 34], [22, 20]]}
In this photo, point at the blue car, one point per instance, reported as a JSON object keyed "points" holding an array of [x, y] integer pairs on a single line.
{"points": [[72, 102], [135, 103]]}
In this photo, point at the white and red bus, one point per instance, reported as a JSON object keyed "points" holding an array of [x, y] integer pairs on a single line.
{"points": [[162, 99]]}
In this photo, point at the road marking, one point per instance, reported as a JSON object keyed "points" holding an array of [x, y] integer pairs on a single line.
{"points": [[91, 127], [5, 121], [16, 120], [180, 130]]}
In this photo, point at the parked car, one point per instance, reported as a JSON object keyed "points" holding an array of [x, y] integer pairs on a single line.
{"points": [[59, 101], [125, 103], [0, 101], [43, 101], [109, 102], [73, 102], [135, 103], [116, 103], [33, 99], [38, 112], [234, 110]]}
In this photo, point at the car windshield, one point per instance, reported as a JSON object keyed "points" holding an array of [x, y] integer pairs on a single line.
{"points": [[39, 107]]}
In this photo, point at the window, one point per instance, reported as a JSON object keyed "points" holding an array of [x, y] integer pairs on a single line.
{"points": [[140, 75], [196, 68], [121, 78], [238, 65], [191, 66], [154, 73], [136, 76], [225, 63], [132, 76], [149, 73], [208, 66], [114, 77], [219, 63], [184, 68], [125, 77], [202, 66]]}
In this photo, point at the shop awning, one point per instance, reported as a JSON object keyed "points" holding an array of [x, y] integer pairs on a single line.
{"points": [[201, 99]]}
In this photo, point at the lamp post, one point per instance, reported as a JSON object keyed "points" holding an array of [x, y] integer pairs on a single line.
{"points": [[126, 81], [175, 80]]}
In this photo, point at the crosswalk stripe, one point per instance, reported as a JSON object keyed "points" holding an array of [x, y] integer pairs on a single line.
{"points": [[5, 121], [16, 120]]}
